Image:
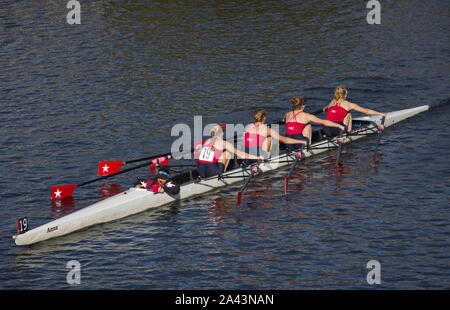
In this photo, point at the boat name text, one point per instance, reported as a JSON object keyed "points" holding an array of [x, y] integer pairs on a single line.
{"points": [[50, 229]]}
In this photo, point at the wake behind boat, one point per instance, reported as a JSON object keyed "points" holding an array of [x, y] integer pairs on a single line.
{"points": [[136, 200]]}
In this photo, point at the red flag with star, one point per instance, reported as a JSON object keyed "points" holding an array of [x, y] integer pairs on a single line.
{"points": [[108, 167], [62, 191]]}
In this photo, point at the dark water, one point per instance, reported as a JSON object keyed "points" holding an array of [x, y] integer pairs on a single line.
{"points": [[112, 87]]}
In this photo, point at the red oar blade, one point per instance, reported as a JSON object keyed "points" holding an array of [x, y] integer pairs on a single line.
{"points": [[62, 191], [108, 167]]}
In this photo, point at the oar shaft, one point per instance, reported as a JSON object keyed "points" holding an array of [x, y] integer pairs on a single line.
{"points": [[338, 156], [155, 156], [181, 166], [247, 181], [379, 134], [111, 175], [297, 159], [243, 188]]}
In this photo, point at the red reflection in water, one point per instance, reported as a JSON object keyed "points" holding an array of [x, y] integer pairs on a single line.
{"points": [[67, 205], [337, 171], [218, 208], [108, 190], [298, 180], [62, 207], [375, 159], [260, 188]]}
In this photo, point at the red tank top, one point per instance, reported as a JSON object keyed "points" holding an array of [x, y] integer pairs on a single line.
{"points": [[293, 128], [336, 113], [252, 139]]}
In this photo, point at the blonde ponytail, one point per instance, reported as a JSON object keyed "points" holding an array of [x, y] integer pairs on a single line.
{"points": [[340, 93], [259, 115], [216, 133]]}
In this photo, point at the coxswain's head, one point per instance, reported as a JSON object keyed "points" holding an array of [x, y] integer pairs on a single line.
{"points": [[162, 176], [260, 115], [298, 103], [340, 93]]}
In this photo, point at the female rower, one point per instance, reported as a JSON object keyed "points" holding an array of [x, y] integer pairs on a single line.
{"points": [[298, 122], [257, 137], [214, 157], [338, 111]]}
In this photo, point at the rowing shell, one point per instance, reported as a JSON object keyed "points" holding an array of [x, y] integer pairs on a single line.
{"points": [[135, 200]]}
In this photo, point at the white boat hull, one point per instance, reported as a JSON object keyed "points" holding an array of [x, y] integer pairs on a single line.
{"points": [[135, 200]]}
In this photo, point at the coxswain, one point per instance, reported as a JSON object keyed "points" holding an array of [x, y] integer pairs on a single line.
{"points": [[338, 111], [161, 182], [298, 122]]}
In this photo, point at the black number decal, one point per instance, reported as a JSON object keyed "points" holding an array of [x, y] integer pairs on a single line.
{"points": [[22, 225]]}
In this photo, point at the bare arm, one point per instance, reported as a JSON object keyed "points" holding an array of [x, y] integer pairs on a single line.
{"points": [[354, 106], [324, 122], [229, 147], [284, 139]]}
